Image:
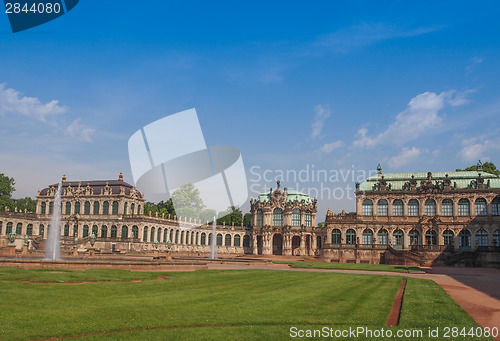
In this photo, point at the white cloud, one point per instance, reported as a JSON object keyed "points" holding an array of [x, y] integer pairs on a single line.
{"points": [[322, 113], [473, 63], [406, 156], [420, 117], [330, 147], [79, 131], [13, 102], [474, 149]]}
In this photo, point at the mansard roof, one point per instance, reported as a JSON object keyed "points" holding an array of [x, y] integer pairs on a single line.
{"points": [[292, 195]]}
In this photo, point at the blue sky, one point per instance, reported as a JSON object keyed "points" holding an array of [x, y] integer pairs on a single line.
{"points": [[332, 86]]}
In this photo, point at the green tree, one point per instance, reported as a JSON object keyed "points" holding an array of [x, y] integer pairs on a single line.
{"points": [[188, 196], [488, 167], [27, 204], [6, 189], [162, 207], [247, 219], [232, 215]]}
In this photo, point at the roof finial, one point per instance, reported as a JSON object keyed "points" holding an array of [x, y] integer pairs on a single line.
{"points": [[379, 169], [278, 183], [479, 166], [64, 178], [120, 177]]}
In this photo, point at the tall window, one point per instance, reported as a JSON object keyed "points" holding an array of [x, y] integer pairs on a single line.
{"points": [[367, 207], [219, 239], [482, 238], [431, 237], [95, 230], [132, 208], [203, 239], [124, 231], [464, 239], [308, 219], [496, 238], [430, 207], [296, 217], [8, 229], [29, 229], [336, 236], [481, 206], [86, 208], [41, 230], [77, 207], [237, 240], [85, 232], [104, 231], [278, 217], [246, 241], [367, 237], [51, 207], [19, 228], [105, 208], [138, 209], [447, 208], [125, 206], [152, 235], [227, 240], [135, 232], [115, 207], [350, 237], [397, 208], [414, 237], [260, 218], [68, 208], [448, 237], [383, 207], [66, 230], [383, 237], [96, 208], [464, 207], [495, 206], [114, 231], [75, 230], [413, 208], [43, 208], [398, 239]]}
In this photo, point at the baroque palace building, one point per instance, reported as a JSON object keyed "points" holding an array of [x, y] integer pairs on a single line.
{"points": [[400, 218]]}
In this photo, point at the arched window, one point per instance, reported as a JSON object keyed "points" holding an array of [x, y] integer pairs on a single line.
{"points": [[430, 207], [105, 208], [383, 237], [219, 239], [104, 231], [138, 209], [94, 230], [176, 236], [96, 208], [132, 207], [114, 231], [447, 208], [124, 231], [114, 209], [152, 235], [51, 207], [1, 227], [464, 239], [85, 232], [237, 240], [350, 237], [86, 208], [29, 229], [464, 207], [496, 238], [413, 208], [77, 207], [41, 230], [398, 239], [397, 208], [382, 208], [482, 238], [246, 241], [367, 207], [66, 230], [68, 208], [135, 232], [336, 236], [203, 238], [165, 235], [158, 235], [210, 239], [171, 236], [260, 218], [278, 217], [145, 234], [448, 237], [495, 206], [308, 219], [8, 229], [43, 208], [296, 217], [125, 206], [414, 237], [227, 240], [481, 206], [367, 237], [431, 237]]}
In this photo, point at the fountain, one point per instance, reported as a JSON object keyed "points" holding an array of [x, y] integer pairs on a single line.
{"points": [[213, 243], [53, 249]]}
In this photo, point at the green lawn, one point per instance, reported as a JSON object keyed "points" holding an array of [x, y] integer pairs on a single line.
{"points": [[351, 266], [211, 305]]}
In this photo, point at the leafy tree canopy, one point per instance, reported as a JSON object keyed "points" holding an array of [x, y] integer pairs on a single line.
{"points": [[247, 219], [488, 167], [27, 203], [232, 215], [6, 189]]}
